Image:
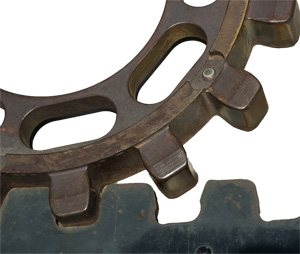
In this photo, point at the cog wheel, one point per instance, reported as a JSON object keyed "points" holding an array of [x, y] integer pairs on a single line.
{"points": [[148, 136]]}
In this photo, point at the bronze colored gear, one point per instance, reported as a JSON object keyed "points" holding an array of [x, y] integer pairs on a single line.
{"points": [[148, 136]]}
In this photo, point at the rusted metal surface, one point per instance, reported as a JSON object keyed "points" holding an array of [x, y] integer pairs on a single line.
{"points": [[148, 136]]}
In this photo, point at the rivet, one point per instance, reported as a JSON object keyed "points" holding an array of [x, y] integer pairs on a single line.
{"points": [[209, 74]]}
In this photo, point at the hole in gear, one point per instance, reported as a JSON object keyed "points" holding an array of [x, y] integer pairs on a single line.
{"points": [[199, 3], [2, 116], [74, 130], [170, 72]]}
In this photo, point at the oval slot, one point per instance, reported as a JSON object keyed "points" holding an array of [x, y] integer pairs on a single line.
{"points": [[199, 3], [74, 130], [170, 72], [2, 116]]}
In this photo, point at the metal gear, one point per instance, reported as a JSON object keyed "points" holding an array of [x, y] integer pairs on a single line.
{"points": [[148, 136]]}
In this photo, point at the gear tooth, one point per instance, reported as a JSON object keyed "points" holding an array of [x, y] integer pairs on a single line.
{"points": [[71, 199], [240, 98], [276, 23], [165, 159]]}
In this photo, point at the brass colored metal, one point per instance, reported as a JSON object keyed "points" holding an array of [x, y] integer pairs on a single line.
{"points": [[165, 159], [148, 136], [75, 203]]}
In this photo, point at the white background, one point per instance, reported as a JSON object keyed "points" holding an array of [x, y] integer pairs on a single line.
{"points": [[61, 46]]}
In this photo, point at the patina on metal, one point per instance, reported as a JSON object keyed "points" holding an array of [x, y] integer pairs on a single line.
{"points": [[147, 136], [229, 222]]}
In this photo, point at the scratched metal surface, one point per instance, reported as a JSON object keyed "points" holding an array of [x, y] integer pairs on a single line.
{"points": [[229, 222]]}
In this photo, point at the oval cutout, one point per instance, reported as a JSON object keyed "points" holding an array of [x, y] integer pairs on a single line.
{"points": [[74, 130], [2, 116], [199, 3], [170, 72]]}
